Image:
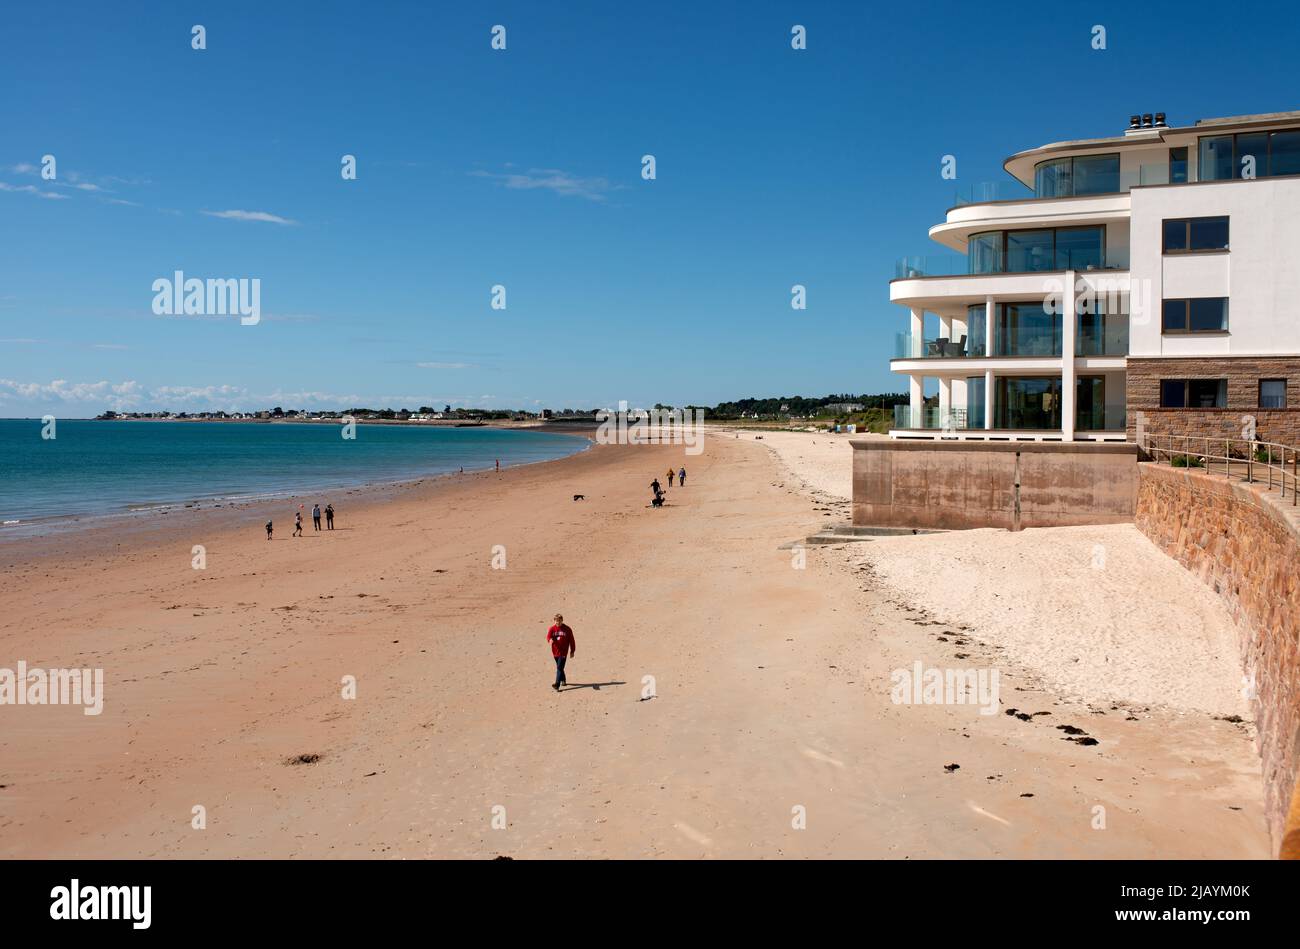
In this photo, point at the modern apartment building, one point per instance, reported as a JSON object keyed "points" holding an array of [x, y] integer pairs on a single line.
{"points": [[1149, 279]]}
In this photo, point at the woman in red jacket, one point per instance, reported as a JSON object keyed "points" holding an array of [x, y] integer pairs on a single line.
{"points": [[562, 647]]}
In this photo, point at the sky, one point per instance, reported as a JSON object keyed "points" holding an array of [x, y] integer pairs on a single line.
{"points": [[478, 167]]}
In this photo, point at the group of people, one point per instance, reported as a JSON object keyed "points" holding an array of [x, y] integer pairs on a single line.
{"points": [[315, 520], [658, 489]]}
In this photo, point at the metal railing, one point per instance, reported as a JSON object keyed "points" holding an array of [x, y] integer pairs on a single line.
{"points": [[1257, 462]]}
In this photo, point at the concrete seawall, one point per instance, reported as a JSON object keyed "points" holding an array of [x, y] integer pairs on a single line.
{"points": [[1245, 543], [966, 484]]}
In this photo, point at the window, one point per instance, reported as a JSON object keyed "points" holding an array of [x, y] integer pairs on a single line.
{"points": [[1248, 155], [1028, 329], [1272, 393], [1178, 165], [1197, 315], [1193, 393], [1086, 174], [1284, 153], [1029, 251], [1028, 403], [1032, 251], [1185, 235], [976, 329], [1098, 333]]}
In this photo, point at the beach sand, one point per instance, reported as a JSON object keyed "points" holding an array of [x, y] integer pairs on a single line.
{"points": [[723, 702]]}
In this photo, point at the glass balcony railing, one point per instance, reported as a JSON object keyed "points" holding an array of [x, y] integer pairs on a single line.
{"points": [[984, 192], [907, 346], [1043, 259], [930, 418], [931, 265]]}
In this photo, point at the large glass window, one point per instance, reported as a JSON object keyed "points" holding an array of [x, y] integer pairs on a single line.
{"points": [[975, 402], [1096, 174], [1052, 178], [1028, 329], [1247, 154], [1193, 393], [1215, 160], [1031, 251], [1100, 333], [1284, 153], [1028, 402], [977, 330], [1197, 315], [1079, 248], [1084, 174], [984, 252], [1182, 235], [1090, 404]]}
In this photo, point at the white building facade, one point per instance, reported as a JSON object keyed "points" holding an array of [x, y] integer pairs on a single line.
{"points": [[1147, 279]]}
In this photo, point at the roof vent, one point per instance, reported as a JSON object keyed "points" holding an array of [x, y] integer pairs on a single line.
{"points": [[1160, 120], [1134, 122], [1146, 120]]}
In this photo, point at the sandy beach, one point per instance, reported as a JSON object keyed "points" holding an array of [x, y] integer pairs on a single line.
{"points": [[726, 700]]}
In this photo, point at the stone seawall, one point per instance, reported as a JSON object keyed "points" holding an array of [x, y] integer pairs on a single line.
{"points": [[1245, 544], [957, 485]]}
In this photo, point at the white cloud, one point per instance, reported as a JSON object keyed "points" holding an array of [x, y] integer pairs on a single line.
{"points": [[552, 179], [251, 216], [32, 189], [446, 365]]}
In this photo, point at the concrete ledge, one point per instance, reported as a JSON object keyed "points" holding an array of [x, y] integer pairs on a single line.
{"points": [[957, 485], [1089, 447]]}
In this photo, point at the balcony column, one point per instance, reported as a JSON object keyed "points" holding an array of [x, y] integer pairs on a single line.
{"points": [[945, 399], [918, 332], [915, 389], [988, 399], [1068, 319], [945, 326], [989, 329]]}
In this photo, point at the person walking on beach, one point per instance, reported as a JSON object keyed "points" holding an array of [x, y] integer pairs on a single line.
{"points": [[498, 466], [269, 528], [315, 516], [297, 525], [562, 649], [329, 517], [670, 477], [681, 478]]}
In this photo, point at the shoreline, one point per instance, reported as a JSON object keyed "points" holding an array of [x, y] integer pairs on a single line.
{"points": [[23, 530]]}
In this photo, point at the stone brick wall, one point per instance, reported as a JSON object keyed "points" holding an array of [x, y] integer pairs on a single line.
{"points": [[1246, 545], [1243, 375]]}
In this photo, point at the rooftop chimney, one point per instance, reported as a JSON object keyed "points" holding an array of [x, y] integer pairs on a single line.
{"points": [[1134, 122], [1160, 120], [1146, 120]]}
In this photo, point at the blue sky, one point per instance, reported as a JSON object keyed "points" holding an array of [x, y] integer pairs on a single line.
{"points": [[522, 168]]}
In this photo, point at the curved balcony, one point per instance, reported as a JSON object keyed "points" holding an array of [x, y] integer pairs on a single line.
{"points": [[966, 220]]}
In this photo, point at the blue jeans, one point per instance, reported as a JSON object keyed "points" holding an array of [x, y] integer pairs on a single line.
{"points": [[559, 670]]}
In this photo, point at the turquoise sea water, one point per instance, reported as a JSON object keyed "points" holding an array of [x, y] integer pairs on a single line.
{"points": [[105, 468]]}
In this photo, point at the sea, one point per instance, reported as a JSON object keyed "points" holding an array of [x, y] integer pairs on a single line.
{"points": [[95, 469]]}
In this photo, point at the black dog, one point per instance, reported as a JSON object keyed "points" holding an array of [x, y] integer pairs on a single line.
{"points": [[579, 497], [658, 501]]}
